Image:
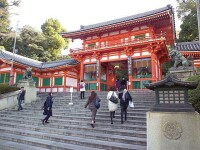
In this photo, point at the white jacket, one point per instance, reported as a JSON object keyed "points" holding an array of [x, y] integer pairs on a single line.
{"points": [[111, 106], [83, 86]]}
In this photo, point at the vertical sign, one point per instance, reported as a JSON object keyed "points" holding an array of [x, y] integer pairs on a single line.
{"points": [[129, 65], [97, 67]]}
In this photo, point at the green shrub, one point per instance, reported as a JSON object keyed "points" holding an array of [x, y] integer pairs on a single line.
{"points": [[194, 95], [4, 88]]}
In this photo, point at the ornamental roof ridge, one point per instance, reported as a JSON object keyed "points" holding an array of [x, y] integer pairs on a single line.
{"points": [[123, 19]]}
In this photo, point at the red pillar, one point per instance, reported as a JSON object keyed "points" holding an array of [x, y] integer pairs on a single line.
{"points": [[81, 70], [65, 79], [159, 70], [40, 83], [12, 76], [130, 78], [52, 84], [153, 65], [98, 75]]}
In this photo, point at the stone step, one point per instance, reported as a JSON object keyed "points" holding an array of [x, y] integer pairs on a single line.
{"points": [[9, 145], [64, 119], [85, 100], [67, 116], [97, 136], [81, 106], [71, 109], [54, 141], [67, 123], [42, 143], [101, 113], [75, 128], [135, 99]]}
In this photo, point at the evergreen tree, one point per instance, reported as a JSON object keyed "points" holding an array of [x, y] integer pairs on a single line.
{"points": [[186, 11], [30, 43], [55, 43], [5, 32]]}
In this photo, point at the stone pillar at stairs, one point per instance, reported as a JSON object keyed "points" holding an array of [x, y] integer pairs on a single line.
{"points": [[173, 131], [172, 123], [29, 86]]}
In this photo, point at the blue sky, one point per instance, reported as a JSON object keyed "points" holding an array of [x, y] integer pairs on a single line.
{"points": [[73, 13]]}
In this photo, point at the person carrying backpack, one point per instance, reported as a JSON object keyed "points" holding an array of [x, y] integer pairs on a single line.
{"points": [[91, 102], [112, 106]]}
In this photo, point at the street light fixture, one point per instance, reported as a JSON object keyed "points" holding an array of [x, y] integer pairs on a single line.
{"points": [[198, 17], [12, 59]]}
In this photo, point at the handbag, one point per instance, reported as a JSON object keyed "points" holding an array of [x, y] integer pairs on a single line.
{"points": [[131, 104], [97, 103], [113, 99]]}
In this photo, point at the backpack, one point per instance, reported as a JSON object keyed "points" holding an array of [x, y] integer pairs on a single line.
{"points": [[97, 103], [81, 86]]}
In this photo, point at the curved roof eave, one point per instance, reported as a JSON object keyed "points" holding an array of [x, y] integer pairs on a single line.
{"points": [[5, 55], [124, 19], [170, 78]]}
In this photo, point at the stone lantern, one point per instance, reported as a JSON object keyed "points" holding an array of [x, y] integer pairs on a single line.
{"points": [[172, 123], [172, 94]]}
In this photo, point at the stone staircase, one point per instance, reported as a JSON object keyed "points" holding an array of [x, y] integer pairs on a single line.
{"points": [[69, 128]]}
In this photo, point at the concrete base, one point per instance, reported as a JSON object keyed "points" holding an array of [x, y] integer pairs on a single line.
{"points": [[29, 86], [173, 131]]}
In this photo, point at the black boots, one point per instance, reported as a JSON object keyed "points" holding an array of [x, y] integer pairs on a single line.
{"points": [[43, 121]]}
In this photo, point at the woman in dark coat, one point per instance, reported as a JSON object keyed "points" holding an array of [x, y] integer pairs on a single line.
{"points": [[47, 108], [91, 102], [124, 97]]}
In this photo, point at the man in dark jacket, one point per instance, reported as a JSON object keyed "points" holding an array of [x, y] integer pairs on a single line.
{"points": [[118, 84], [47, 108], [123, 83], [20, 97], [124, 97]]}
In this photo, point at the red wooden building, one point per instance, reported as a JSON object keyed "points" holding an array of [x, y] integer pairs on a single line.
{"points": [[56, 76], [135, 43]]}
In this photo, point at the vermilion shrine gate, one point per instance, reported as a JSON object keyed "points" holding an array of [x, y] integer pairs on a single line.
{"points": [[136, 43]]}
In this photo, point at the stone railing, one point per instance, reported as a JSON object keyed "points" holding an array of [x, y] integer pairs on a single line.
{"points": [[8, 100]]}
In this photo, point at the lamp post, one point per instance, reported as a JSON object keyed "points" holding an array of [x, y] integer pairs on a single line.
{"points": [[12, 59], [198, 17]]}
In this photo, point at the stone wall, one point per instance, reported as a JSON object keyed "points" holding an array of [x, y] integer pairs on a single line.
{"points": [[8, 100]]}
